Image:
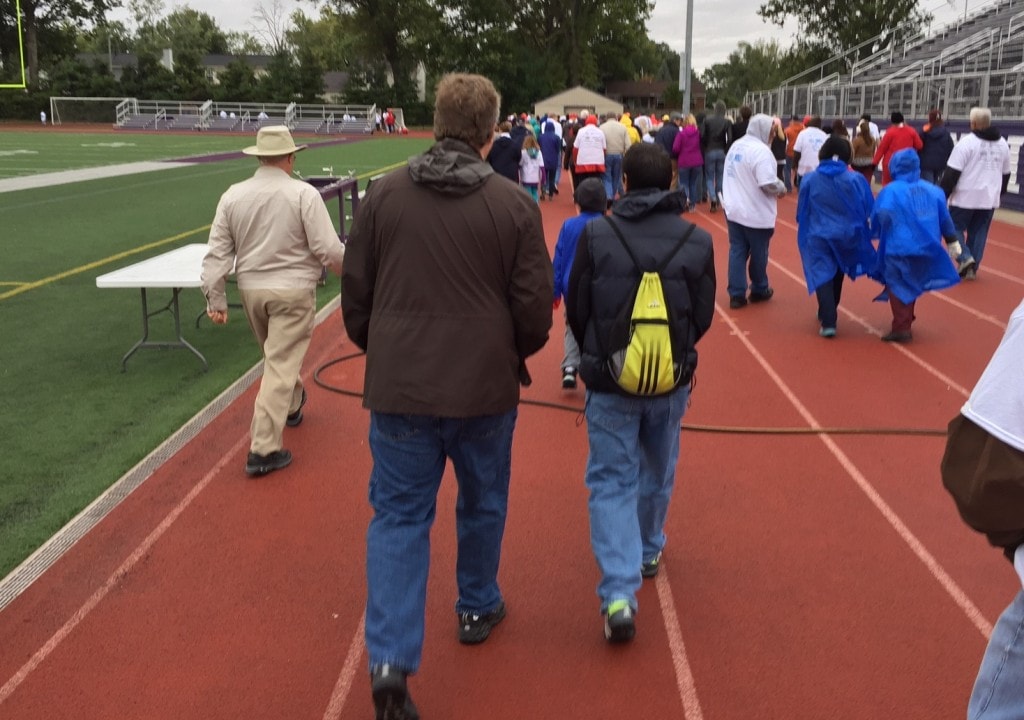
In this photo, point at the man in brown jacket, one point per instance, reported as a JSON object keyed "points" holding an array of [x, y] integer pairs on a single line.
{"points": [[983, 469], [447, 285]]}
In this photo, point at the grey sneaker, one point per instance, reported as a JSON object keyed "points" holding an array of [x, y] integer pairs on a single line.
{"points": [[474, 628], [966, 265]]}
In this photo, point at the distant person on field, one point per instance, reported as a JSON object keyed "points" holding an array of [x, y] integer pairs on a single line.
{"points": [[983, 469], [899, 136], [793, 130], [634, 440], [976, 176], [617, 140], [936, 146], [715, 137], [591, 202], [447, 287], [665, 139], [834, 235], [806, 148], [872, 127], [864, 146], [42, 117], [531, 167], [505, 153], [911, 219], [276, 232], [588, 151], [551, 150], [752, 189], [688, 161], [739, 128]]}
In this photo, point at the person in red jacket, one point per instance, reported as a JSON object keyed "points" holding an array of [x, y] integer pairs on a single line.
{"points": [[899, 136]]}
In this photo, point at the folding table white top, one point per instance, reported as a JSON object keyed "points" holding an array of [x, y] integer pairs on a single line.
{"points": [[178, 268]]}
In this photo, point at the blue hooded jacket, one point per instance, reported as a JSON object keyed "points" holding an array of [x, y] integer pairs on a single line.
{"points": [[833, 210], [910, 220], [550, 145]]}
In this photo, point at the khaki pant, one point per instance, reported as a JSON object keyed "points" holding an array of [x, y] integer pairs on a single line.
{"points": [[282, 321]]}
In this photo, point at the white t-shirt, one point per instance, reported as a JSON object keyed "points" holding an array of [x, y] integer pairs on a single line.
{"points": [[873, 129], [808, 143], [997, 402], [982, 164], [749, 165], [590, 143]]}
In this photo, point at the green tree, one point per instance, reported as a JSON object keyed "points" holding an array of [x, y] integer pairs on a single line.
{"points": [[190, 82], [185, 29], [149, 80], [759, 66], [854, 22], [279, 84], [309, 75], [327, 37], [238, 82], [44, 21], [242, 43]]}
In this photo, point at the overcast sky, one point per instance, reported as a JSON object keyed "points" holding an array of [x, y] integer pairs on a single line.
{"points": [[718, 25]]}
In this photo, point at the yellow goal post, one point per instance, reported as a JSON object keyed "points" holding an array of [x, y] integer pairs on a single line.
{"points": [[21, 53]]}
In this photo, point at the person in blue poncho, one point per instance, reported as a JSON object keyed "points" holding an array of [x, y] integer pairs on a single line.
{"points": [[909, 219], [834, 236]]}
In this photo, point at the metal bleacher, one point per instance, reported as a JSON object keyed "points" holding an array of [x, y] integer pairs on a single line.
{"points": [[245, 117], [974, 61]]}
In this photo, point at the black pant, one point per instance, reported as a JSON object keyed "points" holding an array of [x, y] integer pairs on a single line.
{"points": [[828, 300]]}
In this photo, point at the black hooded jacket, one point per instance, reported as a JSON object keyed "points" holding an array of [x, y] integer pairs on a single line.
{"points": [[604, 279]]}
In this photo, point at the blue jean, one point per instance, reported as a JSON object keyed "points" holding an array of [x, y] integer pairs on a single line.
{"points": [[631, 468], [714, 169], [972, 225], [998, 691], [689, 180], [409, 456], [748, 246], [787, 173], [612, 175]]}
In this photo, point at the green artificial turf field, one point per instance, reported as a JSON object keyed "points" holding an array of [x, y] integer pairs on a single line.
{"points": [[73, 423]]}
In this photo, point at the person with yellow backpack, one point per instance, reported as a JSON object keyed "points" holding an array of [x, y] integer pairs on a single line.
{"points": [[641, 294]]}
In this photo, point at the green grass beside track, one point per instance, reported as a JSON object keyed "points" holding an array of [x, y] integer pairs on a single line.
{"points": [[73, 423]]}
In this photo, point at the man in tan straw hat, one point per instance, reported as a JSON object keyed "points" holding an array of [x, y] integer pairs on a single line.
{"points": [[276, 232]]}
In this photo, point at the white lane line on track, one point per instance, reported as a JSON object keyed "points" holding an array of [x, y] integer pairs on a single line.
{"points": [[684, 676], [909, 354], [348, 673], [1005, 276], [1005, 246], [958, 596], [123, 571]]}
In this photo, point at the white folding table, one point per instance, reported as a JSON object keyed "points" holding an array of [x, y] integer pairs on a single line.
{"points": [[175, 269]]}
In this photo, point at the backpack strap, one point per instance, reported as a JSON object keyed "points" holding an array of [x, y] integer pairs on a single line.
{"points": [[664, 264]]}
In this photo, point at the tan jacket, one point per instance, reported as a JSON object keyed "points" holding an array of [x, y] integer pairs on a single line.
{"points": [[275, 231]]}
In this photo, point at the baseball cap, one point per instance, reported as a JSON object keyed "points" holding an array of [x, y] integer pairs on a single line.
{"points": [[590, 195]]}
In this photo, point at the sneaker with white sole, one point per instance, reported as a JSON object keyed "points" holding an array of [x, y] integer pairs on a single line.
{"points": [[569, 378], [619, 625]]}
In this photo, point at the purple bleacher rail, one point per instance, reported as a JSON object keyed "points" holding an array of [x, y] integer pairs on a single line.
{"points": [[330, 188]]}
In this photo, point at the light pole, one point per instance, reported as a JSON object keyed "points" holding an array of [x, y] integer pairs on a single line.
{"points": [[687, 60]]}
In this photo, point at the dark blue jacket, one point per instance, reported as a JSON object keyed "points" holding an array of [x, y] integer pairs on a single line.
{"points": [[938, 144], [603, 280], [550, 145], [504, 157], [666, 136]]}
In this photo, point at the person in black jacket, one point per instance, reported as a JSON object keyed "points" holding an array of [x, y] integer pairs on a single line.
{"points": [[664, 138], [506, 153], [629, 497], [716, 135], [937, 144]]}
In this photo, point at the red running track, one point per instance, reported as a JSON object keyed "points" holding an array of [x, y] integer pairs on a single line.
{"points": [[805, 576]]}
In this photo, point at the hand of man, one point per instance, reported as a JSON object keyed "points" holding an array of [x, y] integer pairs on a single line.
{"points": [[954, 249], [219, 317]]}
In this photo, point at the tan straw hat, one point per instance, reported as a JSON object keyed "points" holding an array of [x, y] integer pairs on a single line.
{"points": [[273, 141]]}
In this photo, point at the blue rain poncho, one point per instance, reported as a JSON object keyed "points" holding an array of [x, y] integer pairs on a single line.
{"points": [[910, 220], [833, 210]]}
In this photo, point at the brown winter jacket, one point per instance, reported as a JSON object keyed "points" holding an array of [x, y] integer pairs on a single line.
{"points": [[447, 285]]}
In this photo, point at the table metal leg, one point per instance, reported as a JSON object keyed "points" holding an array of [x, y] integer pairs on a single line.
{"points": [[145, 342]]}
